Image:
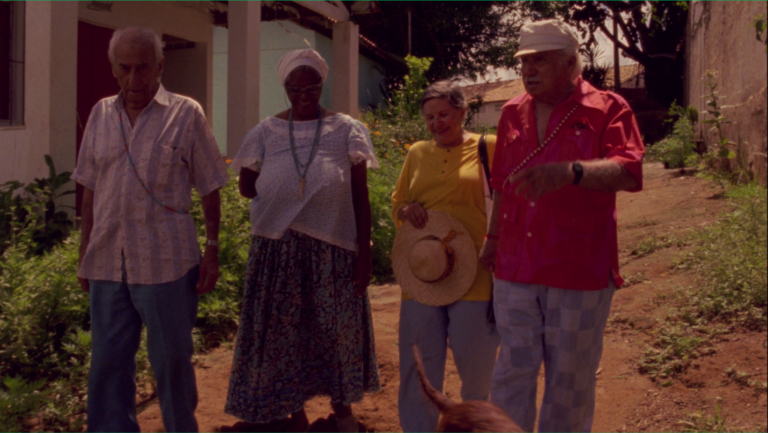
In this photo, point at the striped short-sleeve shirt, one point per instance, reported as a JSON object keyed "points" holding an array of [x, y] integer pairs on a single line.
{"points": [[173, 150]]}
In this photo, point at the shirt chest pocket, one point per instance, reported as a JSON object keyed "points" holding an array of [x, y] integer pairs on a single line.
{"points": [[577, 141], [515, 148], [164, 165]]}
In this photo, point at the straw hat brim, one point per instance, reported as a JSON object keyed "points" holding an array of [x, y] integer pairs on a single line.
{"points": [[460, 280]]}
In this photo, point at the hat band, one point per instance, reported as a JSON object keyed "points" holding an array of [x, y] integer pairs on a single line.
{"points": [[450, 256]]}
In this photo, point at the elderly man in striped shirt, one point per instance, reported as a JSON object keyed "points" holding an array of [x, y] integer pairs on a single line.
{"points": [[142, 152]]}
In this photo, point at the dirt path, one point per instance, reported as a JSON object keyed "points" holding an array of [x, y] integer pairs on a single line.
{"points": [[626, 400]]}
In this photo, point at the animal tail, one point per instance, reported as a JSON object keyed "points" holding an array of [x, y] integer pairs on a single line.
{"points": [[441, 401]]}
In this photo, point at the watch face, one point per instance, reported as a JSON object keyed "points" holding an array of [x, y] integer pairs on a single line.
{"points": [[578, 172]]}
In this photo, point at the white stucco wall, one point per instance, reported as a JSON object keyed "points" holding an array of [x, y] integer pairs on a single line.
{"points": [[49, 95], [50, 76]]}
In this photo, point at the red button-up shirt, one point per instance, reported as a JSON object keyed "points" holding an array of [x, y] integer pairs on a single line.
{"points": [[566, 239]]}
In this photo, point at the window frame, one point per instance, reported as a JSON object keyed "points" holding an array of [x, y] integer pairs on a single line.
{"points": [[16, 65]]}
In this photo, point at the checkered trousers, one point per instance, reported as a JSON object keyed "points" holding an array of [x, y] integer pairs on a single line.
{"points": [[563, 329]]}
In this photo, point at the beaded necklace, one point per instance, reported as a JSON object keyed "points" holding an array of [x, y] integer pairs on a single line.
{"points": [[312, 153], [136, 172], [542, 145]]}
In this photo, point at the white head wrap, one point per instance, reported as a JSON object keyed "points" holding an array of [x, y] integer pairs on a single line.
{"points": [[307, 57], [546, 35]]}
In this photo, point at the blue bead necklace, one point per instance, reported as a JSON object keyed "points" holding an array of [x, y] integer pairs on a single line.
{"points": [[299, 166]]}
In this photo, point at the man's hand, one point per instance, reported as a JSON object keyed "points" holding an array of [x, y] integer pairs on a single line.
{"points": [[209, 271], [542, 179], [488, 254], [83, 281], [362, 272], [415, 214]]}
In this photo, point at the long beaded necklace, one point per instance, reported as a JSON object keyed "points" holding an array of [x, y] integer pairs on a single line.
{"points": [[312, 153], [542, 145], [136, 172]]}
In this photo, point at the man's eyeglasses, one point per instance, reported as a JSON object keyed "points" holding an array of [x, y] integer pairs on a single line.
{"points": [[296, 90]]}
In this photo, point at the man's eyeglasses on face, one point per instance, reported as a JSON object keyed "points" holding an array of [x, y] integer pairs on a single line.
{"points": [[296, 90]]}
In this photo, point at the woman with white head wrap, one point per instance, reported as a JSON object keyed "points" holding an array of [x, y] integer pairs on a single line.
{"points": [[305, 324]]}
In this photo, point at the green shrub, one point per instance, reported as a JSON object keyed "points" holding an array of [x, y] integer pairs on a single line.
{"points": [[732, 261], [44, 334], [393, 130], [678, 150], [219, 310], [45, 340], [30, 212], [391, 141]]}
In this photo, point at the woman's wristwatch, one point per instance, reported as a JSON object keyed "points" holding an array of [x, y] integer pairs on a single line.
{"points": [[212, 243]]}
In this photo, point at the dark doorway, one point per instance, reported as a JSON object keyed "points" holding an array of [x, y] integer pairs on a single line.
{"points": [[94, 78]]}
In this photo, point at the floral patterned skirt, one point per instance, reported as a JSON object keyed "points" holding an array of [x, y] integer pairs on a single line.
{"points": [[302, 333]]}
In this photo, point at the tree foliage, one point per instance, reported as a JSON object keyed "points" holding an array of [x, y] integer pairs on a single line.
{"points": [[463, 38], [649, 32]]}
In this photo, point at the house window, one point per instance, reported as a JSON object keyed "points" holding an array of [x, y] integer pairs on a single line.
{"points": [[11, 63], [499, 105]]}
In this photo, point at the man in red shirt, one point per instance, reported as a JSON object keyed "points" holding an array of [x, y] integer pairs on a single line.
{"points": [[564, 149]]}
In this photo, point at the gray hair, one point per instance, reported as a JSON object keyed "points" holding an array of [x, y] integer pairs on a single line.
{"points": [[578, 67], [138, 35], [444, 90]]}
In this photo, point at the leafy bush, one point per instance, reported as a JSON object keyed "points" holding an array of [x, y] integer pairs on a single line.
{"points": [[45, 340], [393, 130], [34, 206], [733, 262], [219, 309], [678, 150], [44, 324]]}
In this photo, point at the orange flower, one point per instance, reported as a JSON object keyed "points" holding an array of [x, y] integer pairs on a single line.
{"points": [[227, 161], [408, 146], [377, 133]]}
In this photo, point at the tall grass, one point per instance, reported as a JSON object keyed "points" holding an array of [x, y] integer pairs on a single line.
{"points": [[731, 265], [730, 257]]}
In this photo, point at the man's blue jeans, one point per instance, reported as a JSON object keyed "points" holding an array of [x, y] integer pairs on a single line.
{"points": [[118, 310]]}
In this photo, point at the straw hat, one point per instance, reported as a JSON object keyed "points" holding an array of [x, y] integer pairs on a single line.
{"points": [[435, 265]]}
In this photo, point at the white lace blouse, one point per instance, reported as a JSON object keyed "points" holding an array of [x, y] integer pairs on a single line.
{"points": [[326, 211]]}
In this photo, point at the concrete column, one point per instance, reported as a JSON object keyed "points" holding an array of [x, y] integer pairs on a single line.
{"points": [[345, 67], [242, 71]]}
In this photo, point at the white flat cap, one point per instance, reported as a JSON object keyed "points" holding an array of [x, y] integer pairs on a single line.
{"points": [[546, 35]]}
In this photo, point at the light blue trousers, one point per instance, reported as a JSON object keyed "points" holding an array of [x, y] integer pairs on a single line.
{"points": [[463, 327], [564, 330], [118, 310]]}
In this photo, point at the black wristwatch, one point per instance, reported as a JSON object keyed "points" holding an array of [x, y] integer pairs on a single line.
{"points": [[578, 172]]}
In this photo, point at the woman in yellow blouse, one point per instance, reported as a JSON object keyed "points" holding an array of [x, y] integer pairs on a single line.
{"points": [[445, 174]]}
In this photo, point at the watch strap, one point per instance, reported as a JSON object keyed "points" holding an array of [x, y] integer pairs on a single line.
{"points": [[578, 172]]}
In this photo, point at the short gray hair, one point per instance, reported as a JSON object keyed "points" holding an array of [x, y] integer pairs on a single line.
{"points": [[578, 67], [140, 35], [444, 90]]}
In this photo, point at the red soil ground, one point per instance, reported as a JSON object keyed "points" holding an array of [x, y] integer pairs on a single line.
{"points": [[670, 204]]}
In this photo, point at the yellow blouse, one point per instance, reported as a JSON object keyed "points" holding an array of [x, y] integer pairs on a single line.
{"points": [[449, 180]]}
